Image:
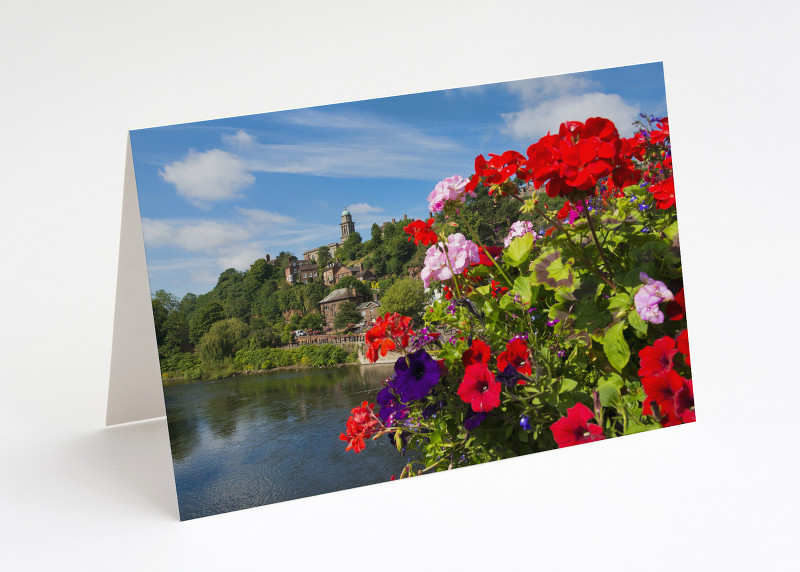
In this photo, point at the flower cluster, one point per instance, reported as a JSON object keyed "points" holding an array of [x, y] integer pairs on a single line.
{"points": [[497, 170], [421, 232], [389, 331], [669, 395], [519, 228], [362, 424], [449, 189], [444, 260], [529, 345], [648, 298]]}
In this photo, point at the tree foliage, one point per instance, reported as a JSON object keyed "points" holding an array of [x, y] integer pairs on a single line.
{"points": [[222, 340], [406, 297], [346, 315]]}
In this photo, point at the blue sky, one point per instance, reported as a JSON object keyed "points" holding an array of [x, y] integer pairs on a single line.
{"points": [[220, 194]]}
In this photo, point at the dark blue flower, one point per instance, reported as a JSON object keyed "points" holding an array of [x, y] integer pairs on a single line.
{"points": [[509, 376], [415, 375], [473, 419], [430, 410], [525, 422]]}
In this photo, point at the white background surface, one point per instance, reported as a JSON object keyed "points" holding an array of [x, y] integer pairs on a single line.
{"points": [[719, 494]]}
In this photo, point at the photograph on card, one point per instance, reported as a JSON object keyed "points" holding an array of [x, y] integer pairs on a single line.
{"points": [[364, 292]]}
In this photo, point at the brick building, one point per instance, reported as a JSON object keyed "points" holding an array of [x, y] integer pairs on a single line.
{"points": [[329, 305], [370, 310], [301, 272]]}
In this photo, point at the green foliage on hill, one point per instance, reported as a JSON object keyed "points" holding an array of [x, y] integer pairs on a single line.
{"points": [[256, 309]]}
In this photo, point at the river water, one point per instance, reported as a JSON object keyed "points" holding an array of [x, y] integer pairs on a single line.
{"points": [[254, 440]]}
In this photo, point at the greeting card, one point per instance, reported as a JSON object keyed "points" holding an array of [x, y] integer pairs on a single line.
{"points": [[384, 289]]}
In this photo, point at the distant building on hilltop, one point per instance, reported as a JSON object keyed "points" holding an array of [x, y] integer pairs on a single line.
{"points": [[347, 224]]}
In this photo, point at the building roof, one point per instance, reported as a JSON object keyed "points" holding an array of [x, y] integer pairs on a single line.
{"points": [[338, 294], [365, 305]]}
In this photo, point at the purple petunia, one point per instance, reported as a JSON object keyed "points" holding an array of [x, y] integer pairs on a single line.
{"points": [[473, 419], [415, 376]]}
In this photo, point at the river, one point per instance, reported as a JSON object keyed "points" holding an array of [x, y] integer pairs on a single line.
{"points": [[254, 440]]}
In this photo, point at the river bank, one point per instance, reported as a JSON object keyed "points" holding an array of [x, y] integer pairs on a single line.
{"points": [[389, 358]]}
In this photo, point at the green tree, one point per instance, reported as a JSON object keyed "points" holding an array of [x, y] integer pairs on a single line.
{"points": [[176, 331], [312, 321], [323, 257], [346, 315], [238, 308], [376, 235], [351, 248], [407, 297], [203, 319], [222, 340]]}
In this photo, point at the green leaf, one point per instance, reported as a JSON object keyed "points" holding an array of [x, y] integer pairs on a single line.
{"points": [[567, 385], [551, 271], [436, 438], [522, 287], [615, 346], [608, 388], [519, 249], [636, 322]]}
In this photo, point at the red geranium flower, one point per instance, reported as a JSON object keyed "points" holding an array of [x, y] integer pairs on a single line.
{"points": [[660, 134], [479, 388], [656, 360], [516, 355], [664, 193], [497, 290], [497, 170], [575, 429], [421, 232], [361, 425], [478, 352], [576, 158], [386, 334], [495, 251]]}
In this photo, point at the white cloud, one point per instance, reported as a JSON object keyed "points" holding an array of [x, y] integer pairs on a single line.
{"points": [[240, 139], [534, 90], [203, 236], [241, 256], [350, 145], [363, 209], [206, 177], [262, 216], [534, 122]]}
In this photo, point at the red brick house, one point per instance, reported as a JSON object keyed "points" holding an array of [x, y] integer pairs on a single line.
{"points": [[329, 305]]}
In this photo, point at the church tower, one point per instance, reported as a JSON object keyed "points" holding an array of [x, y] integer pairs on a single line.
{"points": [[347, 224]]}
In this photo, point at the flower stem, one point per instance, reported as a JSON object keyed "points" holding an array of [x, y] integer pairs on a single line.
{"points": [[486, 251], [592, 268], [594, 235]]}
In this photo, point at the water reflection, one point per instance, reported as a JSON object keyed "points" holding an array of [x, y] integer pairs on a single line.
{"points": [[254, 440]]}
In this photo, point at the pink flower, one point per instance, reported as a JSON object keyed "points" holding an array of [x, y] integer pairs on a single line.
{"points": [[462, 252], [441, 262], [449, 189], [649, 297], [519, 228]]}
